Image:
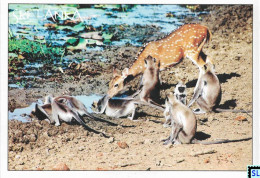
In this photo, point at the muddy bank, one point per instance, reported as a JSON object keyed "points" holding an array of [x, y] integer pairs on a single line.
{"points": [[39, 146]]}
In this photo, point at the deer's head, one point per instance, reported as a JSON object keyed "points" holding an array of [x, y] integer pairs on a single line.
{"points": [[117, 83]]}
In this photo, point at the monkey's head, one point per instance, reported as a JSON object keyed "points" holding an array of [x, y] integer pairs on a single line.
{"points": [[151, 62], [180, 88], [208, 67], [170, 98], [98, 105]]}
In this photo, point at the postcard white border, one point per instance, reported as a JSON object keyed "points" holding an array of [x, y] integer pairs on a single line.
{"points": [[4, 98]]}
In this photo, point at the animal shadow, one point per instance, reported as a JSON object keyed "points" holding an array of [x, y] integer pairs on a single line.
{"points": [[228, 104], [222, 79], [165, 86], [202, 136]]}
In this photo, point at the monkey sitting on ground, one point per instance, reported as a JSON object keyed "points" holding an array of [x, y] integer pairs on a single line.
{"points": [[180, 92], [184, 124], [207, 92]]}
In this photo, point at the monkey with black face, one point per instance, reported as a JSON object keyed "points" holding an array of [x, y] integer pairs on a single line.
{"points": [[207, 92], [180, 93]]}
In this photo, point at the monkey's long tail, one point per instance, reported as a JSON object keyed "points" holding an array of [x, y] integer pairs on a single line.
{"points": [[234, 111], [220, 141], [137, 101], [154, 105], [100, 119], [76, 116]]}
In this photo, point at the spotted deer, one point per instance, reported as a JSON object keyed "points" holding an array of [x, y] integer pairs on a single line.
{"points": [[186, 41]]}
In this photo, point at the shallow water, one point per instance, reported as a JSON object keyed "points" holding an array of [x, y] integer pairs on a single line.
{"points": [[28, 21], [22, 114]]}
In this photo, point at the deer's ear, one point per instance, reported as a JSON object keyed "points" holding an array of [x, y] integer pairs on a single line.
{"points": [[145, 63], [115, 72], [125, 73], [159, 64]]}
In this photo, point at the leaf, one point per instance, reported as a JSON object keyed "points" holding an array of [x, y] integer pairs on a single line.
{"points": [[72, 41], [79, 27], [107, 36]]}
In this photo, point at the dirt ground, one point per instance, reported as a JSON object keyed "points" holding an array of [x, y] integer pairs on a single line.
{"points": [[137, 145]]}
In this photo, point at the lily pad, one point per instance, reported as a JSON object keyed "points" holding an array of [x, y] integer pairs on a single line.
{"points": [[83, 43], [107, 36], [79, 27], [72, 41]]}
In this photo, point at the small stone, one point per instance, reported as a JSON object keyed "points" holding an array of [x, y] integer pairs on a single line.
{"points": [[111, 140], [99, 154], [17, 157], [122, 145], [45, 135], [60, 167], [206, 160], [21, 163], [148, 141], [81, 148], [180, 160], [169, 146], [241, 118], [158, 163]]}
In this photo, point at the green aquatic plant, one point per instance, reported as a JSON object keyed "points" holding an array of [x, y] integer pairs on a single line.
{"points": [[107, 37], [34, 50]]}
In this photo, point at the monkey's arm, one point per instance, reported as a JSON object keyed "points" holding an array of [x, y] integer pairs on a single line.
{"points": [[176, 128], [55, 109], [42, 113], [197, 92]]}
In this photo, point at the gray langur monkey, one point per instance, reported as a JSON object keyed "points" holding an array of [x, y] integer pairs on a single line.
{"points": [[180, 92], [148, 93], [184, 124], [65, 108], [120, 107], [207, 92]]}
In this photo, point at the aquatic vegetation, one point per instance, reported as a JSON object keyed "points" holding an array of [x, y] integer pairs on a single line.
{"points": [[53, 36], [33, 50]]}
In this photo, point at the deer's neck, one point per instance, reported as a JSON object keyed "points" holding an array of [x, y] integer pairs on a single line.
{"points": [[137, 67]]}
